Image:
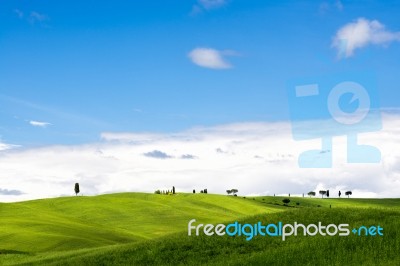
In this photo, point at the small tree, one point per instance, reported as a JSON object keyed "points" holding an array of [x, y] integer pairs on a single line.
{"points": [[311, 194], [229, 191], [322, 193], [286, 201], [234, 191], [348, 193], [201, 191], [76, 189], [340, 193], [327, 193], [205, 191], [194, 191], [173, 190], [157, 191]]}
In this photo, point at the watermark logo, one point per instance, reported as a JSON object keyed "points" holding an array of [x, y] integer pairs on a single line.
{"points": [[324, 107], [249, 231]]}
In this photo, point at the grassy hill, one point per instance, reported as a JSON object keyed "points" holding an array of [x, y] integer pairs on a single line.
{"points": [[84, 222], [146, 229]]}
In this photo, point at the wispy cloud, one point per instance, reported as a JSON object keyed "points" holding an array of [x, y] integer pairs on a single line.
{"points": [[39, 123], [19, 13], [361, 33], [5, 146], [327, 6], [210, 4], [210, 58], [130, 137], [62, 115], [188, 157], [37, 17], [339, 5], [32, 17], [205, 5]]}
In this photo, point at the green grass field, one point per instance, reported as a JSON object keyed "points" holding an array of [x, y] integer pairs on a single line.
{"points": [[149, 229]]}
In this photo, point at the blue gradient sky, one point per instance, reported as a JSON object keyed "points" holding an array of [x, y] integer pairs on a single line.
{"points": [[87, 67]]}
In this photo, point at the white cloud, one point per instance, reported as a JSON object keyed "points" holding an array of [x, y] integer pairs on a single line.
{"points": [[129, 137], [4, 146], [361, 33], [209, 58], [39, 124], [120, 165]]}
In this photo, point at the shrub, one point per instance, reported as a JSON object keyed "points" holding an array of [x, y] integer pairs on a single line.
{"points": [[286, 201]]}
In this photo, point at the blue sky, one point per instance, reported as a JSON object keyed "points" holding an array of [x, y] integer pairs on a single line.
{"points": [[70, 70], [143, 95]]}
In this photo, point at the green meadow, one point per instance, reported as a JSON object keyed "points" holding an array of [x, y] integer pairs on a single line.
{"points": [[151, 229]]}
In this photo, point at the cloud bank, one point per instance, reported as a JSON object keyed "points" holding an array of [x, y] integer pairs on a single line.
{"points": [[361, 33], [256, 158]]}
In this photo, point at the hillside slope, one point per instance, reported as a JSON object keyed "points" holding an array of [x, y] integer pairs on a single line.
{"points": [[181, 249], [147, 229], [86, 222]]}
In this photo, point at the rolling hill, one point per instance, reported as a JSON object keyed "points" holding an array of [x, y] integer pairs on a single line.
{"points": [[84, 222], [149, 229]]}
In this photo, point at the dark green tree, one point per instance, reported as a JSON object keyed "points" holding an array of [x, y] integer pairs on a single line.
{"points": [[348, 193], [76, 189], [327, 193], [173, 190], [322, 193], [286, 201], [340, 193], [311, 194]]}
